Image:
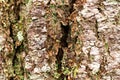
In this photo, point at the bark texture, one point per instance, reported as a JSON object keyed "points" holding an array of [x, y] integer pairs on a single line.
{"points": [[13, 40], [59, 40]]}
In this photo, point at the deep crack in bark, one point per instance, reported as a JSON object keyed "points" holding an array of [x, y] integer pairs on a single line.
{"points": [[59, 57], [65, 31], [16, 49], [63, 43], [71, 5], [96, 28]]}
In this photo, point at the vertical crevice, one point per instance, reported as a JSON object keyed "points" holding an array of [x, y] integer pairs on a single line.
{"points": [[96, 29], [59, 57], [16, 49], [65, 32], [71, 5], [17, 9], [64, 44]]}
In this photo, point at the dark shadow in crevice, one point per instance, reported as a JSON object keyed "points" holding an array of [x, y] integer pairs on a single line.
{"points": [[59, 57], [71, 5], [96, 29], [62, 77], [17, 9], [63, 42], [11, 78], [16, 49], [65, 32]]}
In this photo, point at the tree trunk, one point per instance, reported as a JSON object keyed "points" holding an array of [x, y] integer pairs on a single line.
{"points": [[59, 40]]}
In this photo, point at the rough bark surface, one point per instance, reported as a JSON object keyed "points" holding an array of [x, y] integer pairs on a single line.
{"points": [[59, 40], [13, 39]]}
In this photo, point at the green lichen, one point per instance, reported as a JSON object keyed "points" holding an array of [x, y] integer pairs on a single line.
{"points": [[26, 1], [106, 47], [20, 36], [75, 71], [66, 71], [18, 67], [56, 75]]}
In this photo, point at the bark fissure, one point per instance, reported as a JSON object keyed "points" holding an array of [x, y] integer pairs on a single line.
{"points": [[59, 57], [96, 28], [64, 44], [67, 40], [17, 49], [71, 5], [65, 33]]}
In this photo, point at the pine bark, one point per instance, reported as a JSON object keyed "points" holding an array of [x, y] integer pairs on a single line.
{"points": [[59, 40]]}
